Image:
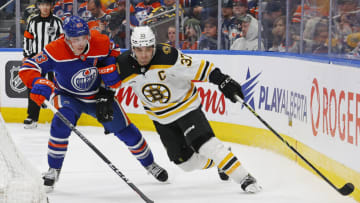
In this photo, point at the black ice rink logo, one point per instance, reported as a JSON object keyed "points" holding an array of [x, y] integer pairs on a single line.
{"points": [[14, 87]]}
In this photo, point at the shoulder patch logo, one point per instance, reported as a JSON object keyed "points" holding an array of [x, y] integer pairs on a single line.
{"points": [[166, 49]]}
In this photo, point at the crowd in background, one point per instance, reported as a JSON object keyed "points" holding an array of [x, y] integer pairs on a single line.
{"points": [[239, 23]]}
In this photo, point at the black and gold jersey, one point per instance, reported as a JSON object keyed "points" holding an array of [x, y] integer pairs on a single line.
{"points": [[166, 85]]}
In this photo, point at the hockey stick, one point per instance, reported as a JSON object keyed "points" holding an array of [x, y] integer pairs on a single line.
{"points": [[101, 155], [347, 189]]}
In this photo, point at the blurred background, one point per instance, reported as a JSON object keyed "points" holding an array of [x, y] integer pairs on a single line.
{"points": [[316, 27]]}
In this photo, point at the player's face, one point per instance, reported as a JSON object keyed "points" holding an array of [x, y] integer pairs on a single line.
{"points": [[143, 54], [78, 43], [45, 9]]}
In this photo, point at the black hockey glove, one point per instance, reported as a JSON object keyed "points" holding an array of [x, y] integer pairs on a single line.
{"points": [[227, 86], [104, 105]]}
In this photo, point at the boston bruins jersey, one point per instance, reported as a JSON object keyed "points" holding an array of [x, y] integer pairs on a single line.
{"points": [[165, 86]]}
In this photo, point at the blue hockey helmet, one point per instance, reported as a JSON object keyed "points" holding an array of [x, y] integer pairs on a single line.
{"points": [[74, 26]]}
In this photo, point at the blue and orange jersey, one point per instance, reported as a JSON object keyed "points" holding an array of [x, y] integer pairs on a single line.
{"points": [[63, 8], [83, 12], [76, 75], [142, 11]]}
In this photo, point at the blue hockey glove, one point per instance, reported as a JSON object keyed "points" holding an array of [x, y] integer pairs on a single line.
{"points": [[41, 90]]}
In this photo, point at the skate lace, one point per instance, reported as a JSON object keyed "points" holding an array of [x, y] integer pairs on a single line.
{"points": [[154, 169], [51, 174]]}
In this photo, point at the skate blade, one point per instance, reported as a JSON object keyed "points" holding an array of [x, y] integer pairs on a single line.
{"points": [[253, 188]]}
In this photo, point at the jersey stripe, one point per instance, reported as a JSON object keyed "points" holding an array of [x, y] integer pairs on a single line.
{"points": [[200, 70], [160, 67], [188, 95], [129, 77], [208, 73], [171, 112]]}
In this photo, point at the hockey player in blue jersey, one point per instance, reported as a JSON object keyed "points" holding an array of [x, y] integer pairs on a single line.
{"points": [[81, 61]]}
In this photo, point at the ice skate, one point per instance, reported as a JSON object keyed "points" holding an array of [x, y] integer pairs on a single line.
{"points": [[30, 123], [249, 184], [50, 177], [157, 171]]}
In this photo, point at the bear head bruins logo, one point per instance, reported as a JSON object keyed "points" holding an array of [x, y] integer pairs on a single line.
{"points": [[156, 93]]}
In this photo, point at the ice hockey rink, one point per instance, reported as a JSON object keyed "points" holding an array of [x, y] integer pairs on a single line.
{"points": [[85, 178]]}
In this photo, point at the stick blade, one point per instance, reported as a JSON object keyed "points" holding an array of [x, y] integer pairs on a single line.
{"points": [[347, 189]]}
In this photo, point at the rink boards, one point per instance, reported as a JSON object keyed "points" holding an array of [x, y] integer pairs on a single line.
{"points": [[314, 104]]}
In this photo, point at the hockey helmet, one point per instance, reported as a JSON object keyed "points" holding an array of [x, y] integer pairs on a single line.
{"points": [[74, 26], [142, 36]]}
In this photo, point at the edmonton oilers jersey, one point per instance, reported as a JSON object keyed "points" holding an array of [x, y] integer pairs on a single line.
{"points": [[75, 75]]}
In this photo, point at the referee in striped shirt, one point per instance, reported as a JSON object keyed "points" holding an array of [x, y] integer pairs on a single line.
{"points": [[41, 30]]}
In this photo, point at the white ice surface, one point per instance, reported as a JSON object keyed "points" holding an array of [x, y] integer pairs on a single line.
{"points": [[85, 178]]}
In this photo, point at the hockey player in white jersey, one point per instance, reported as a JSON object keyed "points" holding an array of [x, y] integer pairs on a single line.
{"points": [[162, 77]]}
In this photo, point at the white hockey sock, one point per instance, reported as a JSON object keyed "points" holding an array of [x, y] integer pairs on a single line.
{"points": [[224, 158], [195, 162]]}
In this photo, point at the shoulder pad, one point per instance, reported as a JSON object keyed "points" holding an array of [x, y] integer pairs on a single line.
{"points": [[126, 64], [165, 55]]}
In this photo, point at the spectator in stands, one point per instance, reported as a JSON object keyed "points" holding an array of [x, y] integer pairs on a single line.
{"points": [[279, 37], [249, 39], [142, 10], [321, 36], [192, 34], [227, 23], [63, 8], [165, 11], [116, 28], [95, 8], [83, 11], [171, 35], [353, 41], [202, 10], [312, 8], [319, 43], [253, 8], [240, 9], [346, 21], [272, 11], [118, 6], [99, 19], [208, 40]]}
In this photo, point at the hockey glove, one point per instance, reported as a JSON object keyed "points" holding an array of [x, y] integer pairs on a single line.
{"points": [[227, 86], [110, 76], [104, 105], [41, 90], [230, 88]]}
